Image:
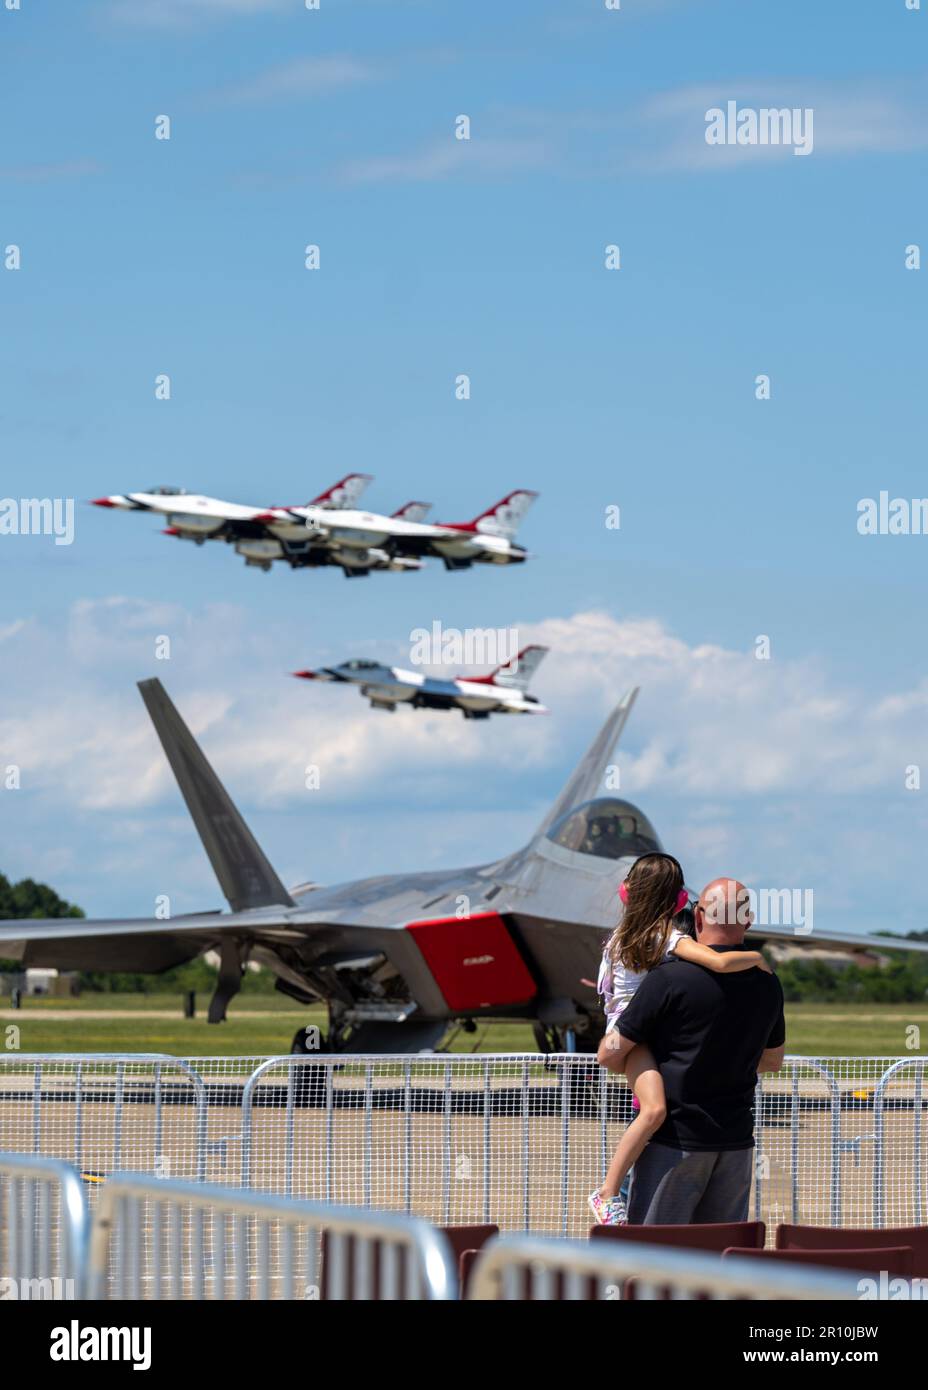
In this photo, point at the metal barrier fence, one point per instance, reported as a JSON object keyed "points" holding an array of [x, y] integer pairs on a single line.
{"points": [[533, 1267], [43, 1229], [519, 1140], [166, 1239], [163, 1239]]}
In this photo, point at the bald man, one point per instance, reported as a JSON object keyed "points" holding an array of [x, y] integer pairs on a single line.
{"points": [[710, 1034]]}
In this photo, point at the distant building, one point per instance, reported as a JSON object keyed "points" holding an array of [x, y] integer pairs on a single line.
{"points": [[832, 956], [61, 984]]}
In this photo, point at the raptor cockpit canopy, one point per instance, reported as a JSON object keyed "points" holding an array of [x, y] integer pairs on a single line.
{"points": [[607, 828]]}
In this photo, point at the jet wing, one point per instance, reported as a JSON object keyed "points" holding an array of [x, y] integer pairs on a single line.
{"points": [[180, 504], [259, 901], [146, 944], [847, 941]]}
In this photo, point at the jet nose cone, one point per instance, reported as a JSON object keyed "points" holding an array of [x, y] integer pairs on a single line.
{"points": [[102, 502], [304, 675]]}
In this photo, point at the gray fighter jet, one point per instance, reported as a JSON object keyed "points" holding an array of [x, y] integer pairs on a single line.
{"points": [[397, 957], [503, 691]]}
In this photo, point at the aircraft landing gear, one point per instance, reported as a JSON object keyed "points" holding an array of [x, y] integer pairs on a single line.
{"points": [[310, 1085], [550, 1038], [307, 1040]]}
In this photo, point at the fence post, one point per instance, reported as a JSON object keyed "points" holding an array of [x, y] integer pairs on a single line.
{"points": [[28, 1180], [879, 1134]]}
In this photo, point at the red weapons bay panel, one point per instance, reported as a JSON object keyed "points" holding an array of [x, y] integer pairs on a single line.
{"points": [[474, 961]]}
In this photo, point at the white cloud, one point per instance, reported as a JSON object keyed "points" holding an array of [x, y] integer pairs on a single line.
{"points": [[710, 721], [303, 77], [770, 768], [448, 158], [861, 117], [713, 721], [664, 133]]}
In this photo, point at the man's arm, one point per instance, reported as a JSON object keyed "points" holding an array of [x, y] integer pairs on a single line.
{"points": [[613, 1051], [771, 1059]]}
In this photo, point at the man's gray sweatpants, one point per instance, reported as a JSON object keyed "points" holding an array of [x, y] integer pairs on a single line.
{"points": [[673, 1187]]}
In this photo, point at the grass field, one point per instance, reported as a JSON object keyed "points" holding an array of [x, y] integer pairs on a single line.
{"points": [[264, 1024]]}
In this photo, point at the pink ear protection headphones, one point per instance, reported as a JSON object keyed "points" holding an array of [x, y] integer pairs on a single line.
{"points": [[683, 898]]}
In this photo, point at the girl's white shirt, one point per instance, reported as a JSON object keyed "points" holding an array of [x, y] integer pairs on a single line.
{"points": [[619, 991]]}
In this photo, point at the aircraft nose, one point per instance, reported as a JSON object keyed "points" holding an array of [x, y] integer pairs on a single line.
{"points": [[305, 675], [102, 502]]}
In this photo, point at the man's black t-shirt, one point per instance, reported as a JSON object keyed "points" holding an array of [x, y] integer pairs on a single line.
{"points": [[707, 1032]]}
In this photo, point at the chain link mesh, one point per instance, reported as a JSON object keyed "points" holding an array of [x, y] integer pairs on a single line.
{"points": [[517, 1140]]}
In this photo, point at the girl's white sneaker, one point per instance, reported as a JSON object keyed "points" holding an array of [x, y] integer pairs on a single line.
{"points": [[609, 1211]]}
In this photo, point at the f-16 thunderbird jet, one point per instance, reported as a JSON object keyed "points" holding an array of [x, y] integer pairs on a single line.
{"points": [[397, 957], [503, 691], [488, 539], [261, 536], [330, 531]]}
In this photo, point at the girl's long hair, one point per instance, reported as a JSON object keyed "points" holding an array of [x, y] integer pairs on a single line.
{"points": [[653, 886]]}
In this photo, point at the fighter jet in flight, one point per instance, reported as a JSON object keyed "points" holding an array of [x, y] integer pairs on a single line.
{"points": [[488, 539], [330, 531], [262, 536], [397, 957], [502, 691]]}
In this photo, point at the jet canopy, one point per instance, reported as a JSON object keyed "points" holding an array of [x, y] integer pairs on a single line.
{"points": [[163, 490], [360, 664], [607, 828]]}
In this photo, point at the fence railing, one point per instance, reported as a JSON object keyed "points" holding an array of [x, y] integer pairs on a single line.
{"points": [[60, 1100], [43, 1228], [169, 1239], [163, 1239], [534, 1267], [519, 1140]]}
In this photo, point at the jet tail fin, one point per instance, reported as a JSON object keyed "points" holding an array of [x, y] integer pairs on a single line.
{"points": [[502, 519], [343, 494], [516, 675], [588, 778], [245, 875], [413, 511]]}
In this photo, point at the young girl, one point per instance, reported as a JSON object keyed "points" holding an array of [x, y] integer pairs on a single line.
{"points": [[653, 895]]}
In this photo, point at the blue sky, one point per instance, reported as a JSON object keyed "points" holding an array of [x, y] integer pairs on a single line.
{"points": [[633, 388]]}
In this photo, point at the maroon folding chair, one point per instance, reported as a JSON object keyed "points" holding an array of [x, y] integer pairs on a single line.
{"points": [[466, 1243], [462, 1238], [858, 1238], [713, 1236], [708, 1236], [893, 1259]]}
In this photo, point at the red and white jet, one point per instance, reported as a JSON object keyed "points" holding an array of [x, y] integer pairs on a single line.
{"points": [[503, 691], [488, 539], [262, 536], [331, 531]]}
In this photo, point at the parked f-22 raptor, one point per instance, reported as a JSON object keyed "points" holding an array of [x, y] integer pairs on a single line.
{"points": [[396, 958], [503, 691]]}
